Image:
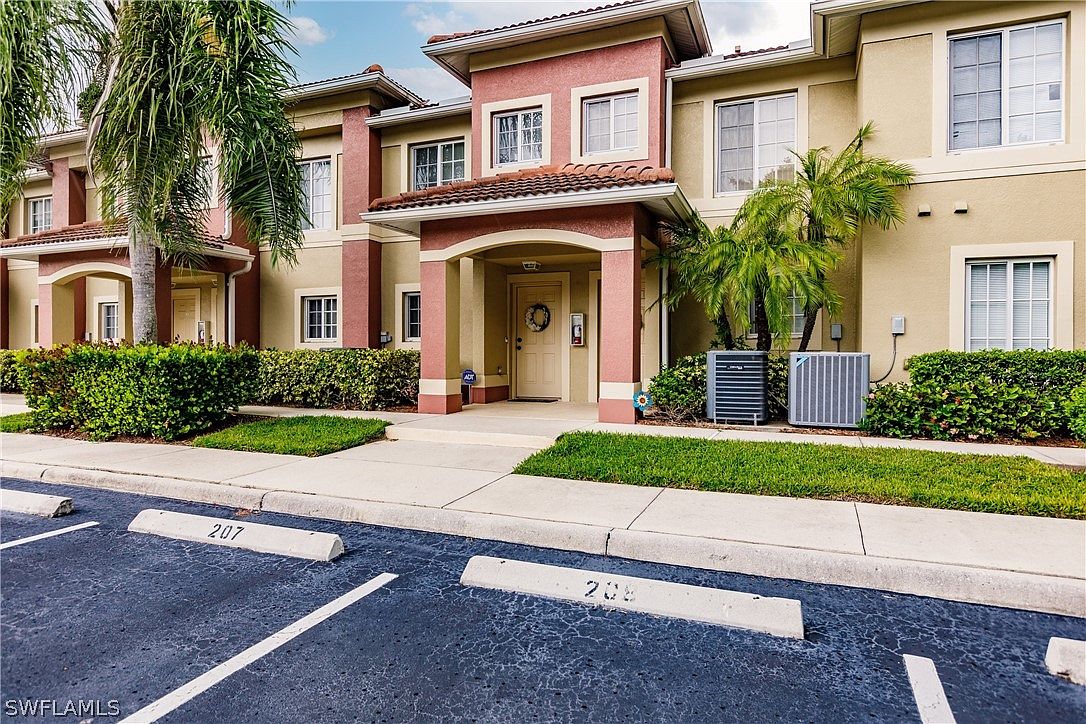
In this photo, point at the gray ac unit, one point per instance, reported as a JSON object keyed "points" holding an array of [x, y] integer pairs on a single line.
{"points": [[737, 382], [828, 389]]}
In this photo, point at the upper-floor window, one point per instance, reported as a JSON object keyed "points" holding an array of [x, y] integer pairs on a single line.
{"points": [[518, 136], [438, 164], [610, 124], [755, 139], [1009, 304], [205, 171], [1006, 86], [317, 192], [39, 214], [321, 322]]}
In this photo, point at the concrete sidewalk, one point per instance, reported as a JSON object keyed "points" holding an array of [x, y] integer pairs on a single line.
{"points": [[1022, 562]]}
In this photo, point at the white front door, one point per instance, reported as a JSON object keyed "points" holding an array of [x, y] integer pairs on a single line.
{"points": [[539, 354], [186, 303]]}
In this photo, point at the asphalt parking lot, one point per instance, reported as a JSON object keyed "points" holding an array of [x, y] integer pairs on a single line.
{"points": [[125, 619]]}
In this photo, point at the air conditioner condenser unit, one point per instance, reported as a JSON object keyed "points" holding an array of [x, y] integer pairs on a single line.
{"points": [[737, 386], [828, 389]]}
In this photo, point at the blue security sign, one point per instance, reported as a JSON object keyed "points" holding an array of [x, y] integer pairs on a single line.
{"points": [[468, 377]]}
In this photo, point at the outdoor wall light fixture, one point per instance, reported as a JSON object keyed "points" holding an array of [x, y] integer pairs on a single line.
{"points": [[531, 265]]}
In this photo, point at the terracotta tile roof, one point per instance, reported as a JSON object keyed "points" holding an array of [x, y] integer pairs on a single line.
{"points": [[450, 36], [530, 182], [77, 232], [85, 232]]}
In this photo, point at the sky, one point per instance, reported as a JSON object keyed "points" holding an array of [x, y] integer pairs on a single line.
{"points": [[340, 37]]}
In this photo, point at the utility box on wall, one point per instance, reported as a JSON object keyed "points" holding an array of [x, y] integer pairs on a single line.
{"points": [[828, 389], [737, 386]]}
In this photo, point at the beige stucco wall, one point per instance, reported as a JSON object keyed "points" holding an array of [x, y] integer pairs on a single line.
{"points": [[399, 268], [897, 101], [18, 223], [22, 291], [908, 271], [280, 312]]}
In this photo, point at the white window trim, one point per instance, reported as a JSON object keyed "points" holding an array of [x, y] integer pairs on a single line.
{"points": [[579, 95], [1004, 70], [611, 123], [486, 128], [397, 338], [331, 192], [97, 306], [1009, 299], [716, 138], [299, 317], [1061, 316], [30, 200], [495, 120], [438, 145]]}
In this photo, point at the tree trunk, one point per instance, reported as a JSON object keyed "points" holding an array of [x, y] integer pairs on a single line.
{"points": [[724, 330], [808, 328], [761, 325], [142, 260]]}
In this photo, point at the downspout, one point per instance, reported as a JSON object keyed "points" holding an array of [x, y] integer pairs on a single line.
{"points": [[665, 311], [230, 306]]}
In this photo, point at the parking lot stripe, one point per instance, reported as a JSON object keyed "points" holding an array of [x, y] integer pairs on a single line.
{"points": [[50, 534], [178, 697], [928, 690]]}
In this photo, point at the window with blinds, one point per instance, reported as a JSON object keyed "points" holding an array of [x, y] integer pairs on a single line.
{"points": [[1009, 304], [610, 124], [1006, 86], [317, 193], [755, 140]]}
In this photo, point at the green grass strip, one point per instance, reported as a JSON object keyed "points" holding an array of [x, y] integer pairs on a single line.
{"points": [[19, 422], [986, 483], [310, 435]]}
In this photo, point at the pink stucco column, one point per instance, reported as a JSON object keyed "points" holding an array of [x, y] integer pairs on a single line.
{"points": [[439, 383], [620, 335], [361, 258], [69, 195]]}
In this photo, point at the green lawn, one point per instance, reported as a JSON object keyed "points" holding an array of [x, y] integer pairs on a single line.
{"points": [[310, 435], [19, 422], [1016, 485]]}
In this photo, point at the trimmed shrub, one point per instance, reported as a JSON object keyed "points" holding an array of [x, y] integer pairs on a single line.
{"points": [[9, 371], [143, 390], [1020, 394], [358, 379], [1075, 409], [679, 391]]}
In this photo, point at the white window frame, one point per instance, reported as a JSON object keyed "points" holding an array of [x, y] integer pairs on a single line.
{"points": [[441, 180], [754, 170], [323, 338], [102, 320], [211, 200], [1005, 86], [331, 193], [1009, 314], [46, 216], [610, 100], [405, 335], [496, 136], [793, 298]]}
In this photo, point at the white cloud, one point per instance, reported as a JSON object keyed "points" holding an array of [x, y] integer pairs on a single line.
{"points": [[451, 16], [307, 31], [433, 83]]}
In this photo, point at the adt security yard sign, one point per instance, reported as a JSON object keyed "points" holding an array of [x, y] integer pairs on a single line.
{"points": [[468, 377]]}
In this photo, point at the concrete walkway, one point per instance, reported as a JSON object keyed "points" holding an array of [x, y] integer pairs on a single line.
{"points": [[468, 489]]}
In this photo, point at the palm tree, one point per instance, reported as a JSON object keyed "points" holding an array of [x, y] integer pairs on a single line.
{"points": [[827, 204], [181, 73], [45, 48], [738, 271]]}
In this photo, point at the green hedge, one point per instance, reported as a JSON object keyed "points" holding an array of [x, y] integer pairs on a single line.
{"points": [[1076, 413], [1020, 394], [364, 379], [679, 391], [143, 390], [9, 371]]}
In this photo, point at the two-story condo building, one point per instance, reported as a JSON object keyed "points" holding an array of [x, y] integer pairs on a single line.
{"points": [[512, 232]]}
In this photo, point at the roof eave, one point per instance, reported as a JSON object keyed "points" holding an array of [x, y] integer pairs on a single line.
{"points": [[665, 198], [419, 114], [500, 38], [366, 81], [708, 67], [31, 252]]}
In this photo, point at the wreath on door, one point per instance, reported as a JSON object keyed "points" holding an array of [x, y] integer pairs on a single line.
{"points": [[537, 317]]}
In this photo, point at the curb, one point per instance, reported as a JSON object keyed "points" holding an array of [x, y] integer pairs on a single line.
{"points": [[990, 587]]}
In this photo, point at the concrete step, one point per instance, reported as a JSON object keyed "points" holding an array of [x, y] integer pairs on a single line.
{"points": [[468, 437]]}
